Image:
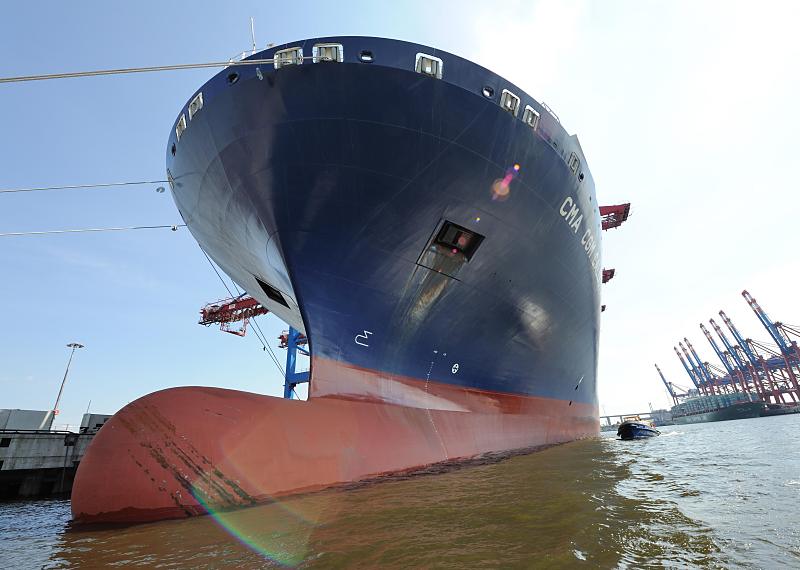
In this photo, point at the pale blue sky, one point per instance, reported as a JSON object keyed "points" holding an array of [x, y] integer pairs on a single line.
{"points": [[686, 109]]}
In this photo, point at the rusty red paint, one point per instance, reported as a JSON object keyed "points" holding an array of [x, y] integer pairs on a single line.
{"points": [[170, 453]]}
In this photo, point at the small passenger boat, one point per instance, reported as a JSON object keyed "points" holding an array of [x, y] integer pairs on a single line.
{"points": [[633, 427]]}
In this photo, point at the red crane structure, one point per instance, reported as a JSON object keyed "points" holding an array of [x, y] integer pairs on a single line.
{"points": [[613, 216], [228, 311]]}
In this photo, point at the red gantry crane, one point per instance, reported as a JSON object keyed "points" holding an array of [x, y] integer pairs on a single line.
{"points": [[614, 216], [228, 311]]}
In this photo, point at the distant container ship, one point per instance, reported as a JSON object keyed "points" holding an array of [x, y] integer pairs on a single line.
{"points": [[434, 232], [716, 408]]}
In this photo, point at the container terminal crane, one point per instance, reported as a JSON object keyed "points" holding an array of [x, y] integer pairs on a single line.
{"points": [[755, 379]]}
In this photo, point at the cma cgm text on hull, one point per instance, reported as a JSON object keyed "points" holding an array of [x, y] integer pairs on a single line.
{"points": [[429, 227]]}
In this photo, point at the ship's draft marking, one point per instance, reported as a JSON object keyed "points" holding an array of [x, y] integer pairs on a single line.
{"points": [[428, 411]]}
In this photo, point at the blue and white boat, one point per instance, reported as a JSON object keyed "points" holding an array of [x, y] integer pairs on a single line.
{"points": [[635, 428]]}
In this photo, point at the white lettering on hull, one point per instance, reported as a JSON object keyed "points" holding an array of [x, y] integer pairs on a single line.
{"points": [[574, 218]]}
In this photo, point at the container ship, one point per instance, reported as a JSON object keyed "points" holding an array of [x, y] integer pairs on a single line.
{"points": [[431, 228], [716, 408]]}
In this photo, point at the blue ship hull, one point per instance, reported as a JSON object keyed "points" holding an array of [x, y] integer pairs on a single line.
{"points": [[348, 170], [441, 254]]}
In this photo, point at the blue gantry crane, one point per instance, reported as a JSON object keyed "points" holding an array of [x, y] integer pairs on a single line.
{"points": [[668, 385], [705, 374], [689, 369], [788, 348], [740, 367], [758, 367], [729, 380], [781, 339], [294, 342]]}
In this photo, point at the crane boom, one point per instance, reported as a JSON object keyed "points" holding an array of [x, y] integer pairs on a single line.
{"points": [[669, 388], [720, 354], [783, 343], [686, 366], [700, 364], [731, 350], [739, 339]]}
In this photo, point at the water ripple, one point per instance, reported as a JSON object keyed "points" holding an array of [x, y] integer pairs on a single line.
{"points": [[702, 496]]}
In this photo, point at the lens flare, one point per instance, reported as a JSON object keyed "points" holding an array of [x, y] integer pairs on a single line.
{"points": [[501, 188], [275, 531]]}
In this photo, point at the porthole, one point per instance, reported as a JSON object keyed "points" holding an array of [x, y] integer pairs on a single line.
{"points": [[580, 177], [173, 149], [233, 77], [488, 92], [366, 56]]}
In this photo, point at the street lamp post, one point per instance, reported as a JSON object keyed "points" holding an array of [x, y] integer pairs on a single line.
{"points": [[73, 346]]}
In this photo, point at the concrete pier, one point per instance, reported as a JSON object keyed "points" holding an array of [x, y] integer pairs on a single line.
{"points": [[36, 461]]}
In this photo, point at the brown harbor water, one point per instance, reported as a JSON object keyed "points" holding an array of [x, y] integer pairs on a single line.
{"points": [[708, 495]]}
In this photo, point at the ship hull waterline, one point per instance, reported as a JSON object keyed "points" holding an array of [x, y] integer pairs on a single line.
{"points": [[188, 451]]}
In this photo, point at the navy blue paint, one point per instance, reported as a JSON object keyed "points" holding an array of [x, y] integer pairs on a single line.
{"points": [[355, 165]]}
